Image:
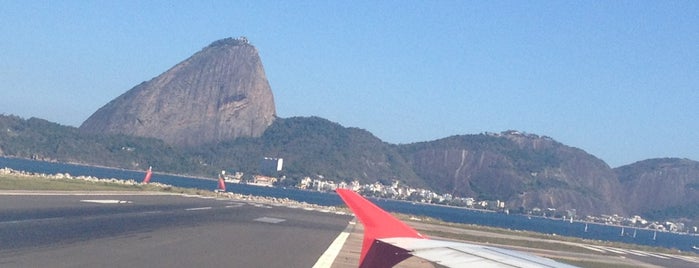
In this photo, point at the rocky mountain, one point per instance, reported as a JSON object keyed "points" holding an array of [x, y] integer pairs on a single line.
{"points": [[524, 170], [219, 93], [664, 187]]}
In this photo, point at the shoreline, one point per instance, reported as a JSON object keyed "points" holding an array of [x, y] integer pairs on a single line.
{"points": [[159, 188], [53, 161]]}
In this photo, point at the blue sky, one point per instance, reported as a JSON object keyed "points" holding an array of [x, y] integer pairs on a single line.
{"points": [[618, 79]]}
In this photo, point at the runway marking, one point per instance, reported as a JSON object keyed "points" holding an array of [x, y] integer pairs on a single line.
{"points": [[152, 212], [234, 205], [592, 248], [105, 201], [31, 220], [259, 205], [686, 258], [326, 260], [626, 251], [614, 250], [269, 220], [637, 253], [656, 255], [201, 208], [647, 254], [681, 257]]}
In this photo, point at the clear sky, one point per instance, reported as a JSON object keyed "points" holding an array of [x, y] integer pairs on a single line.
{"points": [[618, 79]]}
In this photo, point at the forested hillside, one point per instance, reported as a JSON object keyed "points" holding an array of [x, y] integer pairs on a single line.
{"points": [[43, 140], [524, 170]]}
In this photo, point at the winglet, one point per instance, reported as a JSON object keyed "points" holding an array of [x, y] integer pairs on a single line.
{"points": [[377, 224]]}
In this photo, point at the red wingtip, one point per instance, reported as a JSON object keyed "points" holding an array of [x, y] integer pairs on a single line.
{"points": [[377, 224]]}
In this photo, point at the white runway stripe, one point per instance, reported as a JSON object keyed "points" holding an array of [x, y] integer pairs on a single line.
{"points": [[617, 251], [201, 208], [105, 201], [326, 260], [592, 248], [270, 220]]}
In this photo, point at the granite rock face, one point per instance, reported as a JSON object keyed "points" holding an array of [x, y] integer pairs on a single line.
{"points": [[524, 170], [661, 184], [219, 93]]}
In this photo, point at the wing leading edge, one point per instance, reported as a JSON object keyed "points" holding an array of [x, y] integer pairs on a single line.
{"points": [[388, 241]]}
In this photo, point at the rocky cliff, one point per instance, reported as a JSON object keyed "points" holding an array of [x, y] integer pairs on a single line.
{"points": [[670, 184], [525, 170], [219, 93]]}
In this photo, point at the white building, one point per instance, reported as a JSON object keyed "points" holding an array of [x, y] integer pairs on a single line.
{"points": [[270, 166]]}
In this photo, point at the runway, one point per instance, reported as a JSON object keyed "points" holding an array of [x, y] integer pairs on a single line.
{"points": [[45, 229], [127, 230]]}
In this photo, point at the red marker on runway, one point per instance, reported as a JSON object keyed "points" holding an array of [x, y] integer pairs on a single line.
{"points": [[149, 173], [221, 184]]}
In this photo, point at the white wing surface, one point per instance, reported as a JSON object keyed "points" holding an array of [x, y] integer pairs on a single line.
{"points": [[388, 241], [456, 254]]}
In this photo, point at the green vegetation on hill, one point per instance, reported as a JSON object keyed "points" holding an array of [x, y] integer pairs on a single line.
{"points": [[523, 170], [42, 140], [310, 146]]}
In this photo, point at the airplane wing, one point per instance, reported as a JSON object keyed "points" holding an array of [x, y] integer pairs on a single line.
{"points": [[388, 241]]}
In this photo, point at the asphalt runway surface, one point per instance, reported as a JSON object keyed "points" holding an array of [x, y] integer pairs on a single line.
{"points": [[129, 230], [159, 231]]}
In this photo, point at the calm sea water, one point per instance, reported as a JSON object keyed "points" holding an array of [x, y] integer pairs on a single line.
{"points": [[450, 214]]}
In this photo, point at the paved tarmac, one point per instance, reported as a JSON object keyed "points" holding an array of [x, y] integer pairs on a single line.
{"points": [[127, 230], [47, 229]]}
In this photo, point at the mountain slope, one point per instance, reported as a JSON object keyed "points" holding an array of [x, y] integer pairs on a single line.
{"points": [[312, 146], [524, 170], [43, 140], [661, 188]]}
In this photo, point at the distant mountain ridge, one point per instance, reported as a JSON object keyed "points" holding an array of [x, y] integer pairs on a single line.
{"points": [[219, 93], [524, 170]]}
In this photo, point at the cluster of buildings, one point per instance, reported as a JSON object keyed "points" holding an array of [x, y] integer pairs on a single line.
{"points": [[399, 192], [270, 167], [402, 192], [638, 222]]}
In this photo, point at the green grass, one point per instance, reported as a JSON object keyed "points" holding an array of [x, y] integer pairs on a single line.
{"points": [[40, 183], [15, 182]]}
